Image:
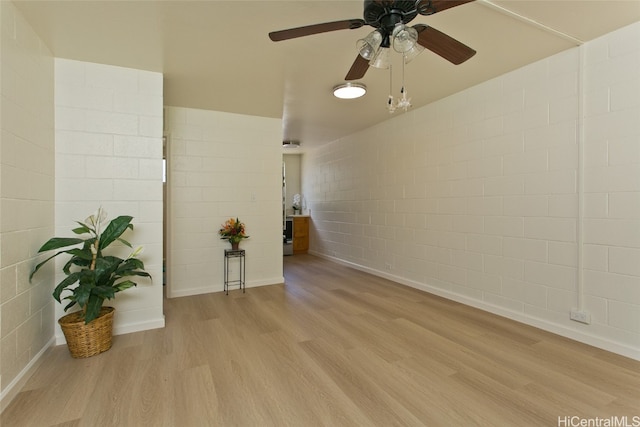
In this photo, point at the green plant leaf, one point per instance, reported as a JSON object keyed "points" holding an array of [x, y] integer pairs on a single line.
{"points": [[139, 273], [114, 230], [68, 281], [105, 268], [83, 229], [59, 242], [124, 242], [93, 308], [104, 292], [84, 253], [129, 264], [71, 304], [65, 268], [131, 267], [80, 259], [124, 285], [86, 282], [37, 267]]}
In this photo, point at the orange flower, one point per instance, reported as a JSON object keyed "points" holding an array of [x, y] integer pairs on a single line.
{"points": [[233, 230]]}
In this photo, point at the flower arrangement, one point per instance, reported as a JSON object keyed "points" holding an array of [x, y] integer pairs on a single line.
{"points": [[233, 230]]}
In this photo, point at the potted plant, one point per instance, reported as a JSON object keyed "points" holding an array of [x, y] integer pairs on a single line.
{"points": [[91, 276], [234, 231]]}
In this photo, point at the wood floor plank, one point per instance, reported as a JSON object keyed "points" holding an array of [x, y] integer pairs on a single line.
{"points": [[334, 346], [358, 387], [196, 389]]}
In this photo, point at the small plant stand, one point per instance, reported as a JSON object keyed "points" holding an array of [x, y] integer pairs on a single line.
{"points": [[230, 254]]}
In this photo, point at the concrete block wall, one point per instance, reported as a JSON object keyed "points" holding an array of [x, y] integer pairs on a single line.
{"points": [[222, 165], [108, 135], [26, 196], [612, 185], [477, 197]]}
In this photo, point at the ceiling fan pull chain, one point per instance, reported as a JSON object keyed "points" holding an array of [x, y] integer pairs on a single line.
{"points": [[403, 102], [391, 104]]}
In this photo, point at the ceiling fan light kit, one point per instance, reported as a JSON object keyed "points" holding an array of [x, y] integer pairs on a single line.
{"points": [[349, 90], [404, 38], [389, 20], [382, 59], [368, 46], [412, 53]]}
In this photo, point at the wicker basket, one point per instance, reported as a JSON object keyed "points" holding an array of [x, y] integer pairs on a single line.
{"points": [[88, 340]]}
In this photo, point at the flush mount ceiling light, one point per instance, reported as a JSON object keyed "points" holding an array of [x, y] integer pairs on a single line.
{"points": [[290, 144], [349, 90]]}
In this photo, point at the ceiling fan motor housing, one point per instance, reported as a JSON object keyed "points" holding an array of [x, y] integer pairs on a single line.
{"points": [[387, 14]]}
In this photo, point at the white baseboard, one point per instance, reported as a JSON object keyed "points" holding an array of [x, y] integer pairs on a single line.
{"points": [[139, 326], [220, 288], [595, 341], [14, 387], [126, 328]]}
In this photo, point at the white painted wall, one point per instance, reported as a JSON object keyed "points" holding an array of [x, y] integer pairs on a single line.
{"points": [[26, 198], [108, 135], [222, 165], [612, 186], [476, 197]]}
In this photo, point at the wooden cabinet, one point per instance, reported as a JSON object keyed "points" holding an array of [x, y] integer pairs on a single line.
{"points": [[300, 234]]}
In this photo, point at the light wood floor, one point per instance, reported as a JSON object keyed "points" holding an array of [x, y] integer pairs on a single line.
{"points": [[332, 347]]}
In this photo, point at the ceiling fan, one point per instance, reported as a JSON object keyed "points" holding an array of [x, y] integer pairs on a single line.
{"points": [[389, 18]]}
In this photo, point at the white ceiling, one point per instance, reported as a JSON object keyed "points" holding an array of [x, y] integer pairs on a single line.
{"points": [[216, 55]]}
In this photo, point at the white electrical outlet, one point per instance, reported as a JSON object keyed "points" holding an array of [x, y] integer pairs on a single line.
{"points": [[580, 316]]}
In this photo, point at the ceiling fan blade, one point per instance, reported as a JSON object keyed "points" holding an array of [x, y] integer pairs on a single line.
{"points": [[446, 46], [358, 69], [292, 33], [426, 7]]}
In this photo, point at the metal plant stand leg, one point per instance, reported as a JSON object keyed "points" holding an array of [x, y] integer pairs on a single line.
{"points": [[229, 254]]}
